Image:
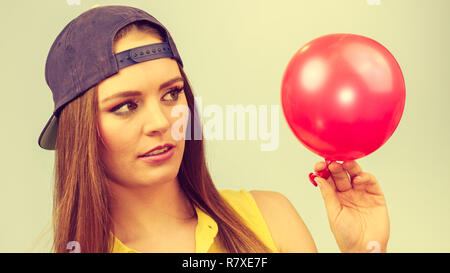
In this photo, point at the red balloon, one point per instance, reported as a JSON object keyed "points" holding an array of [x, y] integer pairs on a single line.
{"points": [[343, 96]]}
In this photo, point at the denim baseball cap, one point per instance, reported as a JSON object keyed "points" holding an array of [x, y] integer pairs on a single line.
{"points": [[83, 55]]}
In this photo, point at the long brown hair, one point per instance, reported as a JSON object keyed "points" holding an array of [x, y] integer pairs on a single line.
{"points": [[81, 210]]}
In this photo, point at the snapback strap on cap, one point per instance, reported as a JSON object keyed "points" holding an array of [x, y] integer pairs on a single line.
{"points": [[143, 53]]}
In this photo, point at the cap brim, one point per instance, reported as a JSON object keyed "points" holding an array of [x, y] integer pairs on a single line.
{"points": [[47, 139]]}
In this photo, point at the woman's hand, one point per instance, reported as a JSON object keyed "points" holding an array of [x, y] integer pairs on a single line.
{"points": [[356, 207]]}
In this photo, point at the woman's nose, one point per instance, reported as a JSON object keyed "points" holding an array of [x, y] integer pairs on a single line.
{"points": [[155, 119]]}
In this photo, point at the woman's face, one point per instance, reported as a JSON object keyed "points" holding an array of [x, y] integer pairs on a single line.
{"points": [[131, 126]]}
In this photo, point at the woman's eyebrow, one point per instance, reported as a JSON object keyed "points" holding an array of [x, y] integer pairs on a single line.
{"points": [[125, 94]]}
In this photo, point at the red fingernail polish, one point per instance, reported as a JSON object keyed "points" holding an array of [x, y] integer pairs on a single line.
{"points": [[311, 178]]}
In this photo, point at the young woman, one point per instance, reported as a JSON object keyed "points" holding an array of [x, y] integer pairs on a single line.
{"points": [[113, 194]]}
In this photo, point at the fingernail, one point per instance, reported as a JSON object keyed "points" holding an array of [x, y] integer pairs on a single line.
{"points": [[312, 179], [318, 182]]}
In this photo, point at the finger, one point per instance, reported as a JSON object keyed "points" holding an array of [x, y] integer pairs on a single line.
{"points": [[319, 166], [353, 168], [359, 182], [340, 177], [331, 183], [329, 195], [367, 182]]}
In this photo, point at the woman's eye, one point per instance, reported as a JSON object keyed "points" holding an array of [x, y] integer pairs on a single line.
{"points": [[172, 95], [128, 103], [130, 106]]}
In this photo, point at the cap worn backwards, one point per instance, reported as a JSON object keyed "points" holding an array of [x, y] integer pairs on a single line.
{"points": [[82, 56]]}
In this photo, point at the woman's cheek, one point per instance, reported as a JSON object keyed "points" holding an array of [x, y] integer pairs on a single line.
{"points": [[115, 138]]}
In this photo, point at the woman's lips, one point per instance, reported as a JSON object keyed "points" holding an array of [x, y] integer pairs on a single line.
{"points": [[167, 145], [159, 157]]}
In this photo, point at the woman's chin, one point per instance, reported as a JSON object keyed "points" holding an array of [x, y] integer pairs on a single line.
{"points": [[156, 177]]}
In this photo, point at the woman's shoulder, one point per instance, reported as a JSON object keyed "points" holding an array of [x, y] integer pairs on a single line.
{"points": [[266, 201], [243, 202], [286, 227], [260, 199]]}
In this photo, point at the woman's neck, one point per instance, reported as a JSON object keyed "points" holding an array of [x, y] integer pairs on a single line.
{"points": [[145, 211]]}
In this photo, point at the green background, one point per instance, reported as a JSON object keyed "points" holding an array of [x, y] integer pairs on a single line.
{"points": [[235, 53]]}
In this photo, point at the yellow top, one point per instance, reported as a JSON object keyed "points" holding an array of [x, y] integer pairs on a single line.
{"points": [[206, 230]]}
